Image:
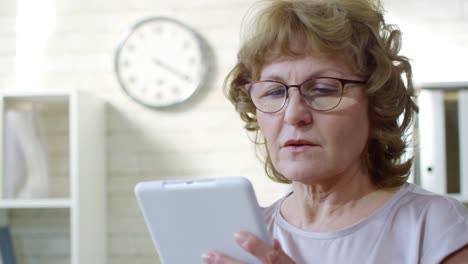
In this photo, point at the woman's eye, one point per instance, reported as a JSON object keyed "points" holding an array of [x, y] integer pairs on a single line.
{"points": [[275, 92], [321, 90], [325, 91]]}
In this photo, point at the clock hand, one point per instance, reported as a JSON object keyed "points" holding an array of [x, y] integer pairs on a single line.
{"points": [[171, 69]]}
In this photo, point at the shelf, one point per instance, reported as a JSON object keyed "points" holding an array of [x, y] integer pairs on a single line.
{"points": [[73, 126], [36, 203], [39, 95]]}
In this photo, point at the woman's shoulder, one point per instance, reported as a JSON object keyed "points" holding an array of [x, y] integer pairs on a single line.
{"points": [[432, 218], [432, 205], [270, 212]]}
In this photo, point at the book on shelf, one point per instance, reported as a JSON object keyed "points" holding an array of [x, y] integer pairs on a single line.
{"points": [[7, 255]]}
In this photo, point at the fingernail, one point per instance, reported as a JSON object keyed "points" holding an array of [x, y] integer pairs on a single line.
{"points": [[242, 239], [209, 257]]}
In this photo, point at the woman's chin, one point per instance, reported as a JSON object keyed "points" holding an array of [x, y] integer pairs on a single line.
{"points": [[305, 177]]}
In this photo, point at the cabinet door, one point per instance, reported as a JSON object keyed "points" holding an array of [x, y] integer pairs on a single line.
{"points": [[432, 141], [443, 145]]}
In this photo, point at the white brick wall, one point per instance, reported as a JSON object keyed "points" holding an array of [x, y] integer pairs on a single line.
{"points": [[204, 138], [427, 10], [36, 231], [435, 37]]}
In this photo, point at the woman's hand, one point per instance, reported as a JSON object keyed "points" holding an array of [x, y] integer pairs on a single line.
{"points": [[265, 253]]}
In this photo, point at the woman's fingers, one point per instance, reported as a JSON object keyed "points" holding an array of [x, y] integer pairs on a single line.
{"points": [[218, 258], [253, 245], [266, 253]]}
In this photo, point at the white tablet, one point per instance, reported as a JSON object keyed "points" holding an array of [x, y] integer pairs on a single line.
{"points": [[187, 218]]}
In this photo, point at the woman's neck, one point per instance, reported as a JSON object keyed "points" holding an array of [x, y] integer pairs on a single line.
{"points": [[335, 204]]}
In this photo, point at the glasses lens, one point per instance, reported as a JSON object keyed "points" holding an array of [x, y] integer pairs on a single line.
{"points": [[322, 94], [268, 96]]}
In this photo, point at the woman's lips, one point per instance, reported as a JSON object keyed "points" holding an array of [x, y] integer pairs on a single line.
{"points": [[298, 145]]}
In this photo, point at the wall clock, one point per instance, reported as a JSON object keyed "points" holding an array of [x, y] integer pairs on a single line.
{"points": [[160, 62]]}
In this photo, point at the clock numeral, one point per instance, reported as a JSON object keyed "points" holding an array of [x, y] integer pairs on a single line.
{"points": [[157, 30], [192, 60], [132, 80], [160, 82], [186, 45], [174, 33], [130, 48]]}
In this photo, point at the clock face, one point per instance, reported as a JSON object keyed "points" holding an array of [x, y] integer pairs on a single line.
{"points": [[160, 62]]}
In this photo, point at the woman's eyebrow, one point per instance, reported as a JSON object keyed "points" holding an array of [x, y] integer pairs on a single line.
{"points": [[273, 77], [329, 72]]}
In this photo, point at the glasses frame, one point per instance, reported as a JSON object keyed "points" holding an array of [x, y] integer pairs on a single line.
{"points": [[343, 82]]}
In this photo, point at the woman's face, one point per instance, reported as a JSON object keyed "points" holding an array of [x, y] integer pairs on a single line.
{"points": [[310, 146]]}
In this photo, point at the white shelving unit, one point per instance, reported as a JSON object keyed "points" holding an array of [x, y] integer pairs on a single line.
{"points": [[85, 185], [433, 136]]}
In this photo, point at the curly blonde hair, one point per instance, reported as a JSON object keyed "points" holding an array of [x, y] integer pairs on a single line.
{"points": [[355, 29]]}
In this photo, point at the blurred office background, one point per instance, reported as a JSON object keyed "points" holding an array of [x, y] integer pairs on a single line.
{"points": [[70, 45]]}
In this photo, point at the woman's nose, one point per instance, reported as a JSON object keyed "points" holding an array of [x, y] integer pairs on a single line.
{"points": [[296, 112]]}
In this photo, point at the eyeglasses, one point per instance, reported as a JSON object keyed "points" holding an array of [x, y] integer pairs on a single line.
{"points": [[320, 94]]}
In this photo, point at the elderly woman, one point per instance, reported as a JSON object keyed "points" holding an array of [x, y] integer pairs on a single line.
{"points": [[322, 85]]}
